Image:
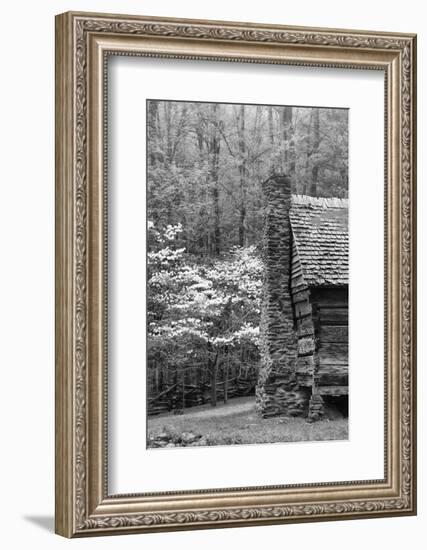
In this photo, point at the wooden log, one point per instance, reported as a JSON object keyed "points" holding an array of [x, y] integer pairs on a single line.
{"points": [[333, 334], [300, 295], [333, 316], [332, 352], [332, 375], [297, 281], [306, 345], [330, 297], [335, 361], [305, 371], [316, 410], [156, 397], [305, 364], [305, 326], [302, 309], [333, 391]]}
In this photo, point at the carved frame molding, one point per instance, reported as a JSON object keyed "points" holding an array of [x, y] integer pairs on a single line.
{"points": [[83, 43]]}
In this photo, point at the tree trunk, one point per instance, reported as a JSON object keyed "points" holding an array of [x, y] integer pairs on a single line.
{"points": [[183, 388], [214, 150], [214, 380], [270, 126], [344, 177], [226, 374], [243, 173], [153, 131], [169, 111], [315, 150], [213, 373]]}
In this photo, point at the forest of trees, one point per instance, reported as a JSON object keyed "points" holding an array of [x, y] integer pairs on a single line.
{"points": [[205, 165]]}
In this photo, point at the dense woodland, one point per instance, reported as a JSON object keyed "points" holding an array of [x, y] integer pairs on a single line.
{"points": [[206, 163]]}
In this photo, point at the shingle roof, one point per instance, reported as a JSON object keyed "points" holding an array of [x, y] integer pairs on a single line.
{"points": [[320, 230]]}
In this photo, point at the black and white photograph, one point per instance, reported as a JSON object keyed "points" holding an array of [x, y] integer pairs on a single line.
{"points": [[247, 274]]}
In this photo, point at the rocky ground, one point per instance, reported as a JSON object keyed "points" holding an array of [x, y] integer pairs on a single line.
{"points": [[169, 439], [237, 423]]}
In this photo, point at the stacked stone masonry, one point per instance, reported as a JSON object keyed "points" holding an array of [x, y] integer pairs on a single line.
{"points": [[304, 318]]}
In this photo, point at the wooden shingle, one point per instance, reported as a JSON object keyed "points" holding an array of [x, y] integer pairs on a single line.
{"points": [[320, 232]]}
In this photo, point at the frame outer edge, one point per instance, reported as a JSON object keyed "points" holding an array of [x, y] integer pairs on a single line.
{"points": [[149, 19], [72, 399], [414, 257], [64, 237], [413, 253]]}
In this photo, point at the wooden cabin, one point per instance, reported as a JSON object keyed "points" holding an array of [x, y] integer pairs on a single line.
{"points": [[319, 293], [304, 309]]}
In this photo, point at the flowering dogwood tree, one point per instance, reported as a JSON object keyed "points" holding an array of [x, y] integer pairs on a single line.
{"points": [[199, 312]]}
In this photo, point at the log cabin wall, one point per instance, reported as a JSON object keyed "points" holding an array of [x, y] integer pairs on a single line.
{"points": [[319, 288], [303, 316], [331, 326]]}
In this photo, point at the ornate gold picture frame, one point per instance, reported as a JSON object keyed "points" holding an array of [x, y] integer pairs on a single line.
{"points": [[84, 42]]}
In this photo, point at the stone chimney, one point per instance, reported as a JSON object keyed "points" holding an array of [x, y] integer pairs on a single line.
{"points": [[277, 392]]}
